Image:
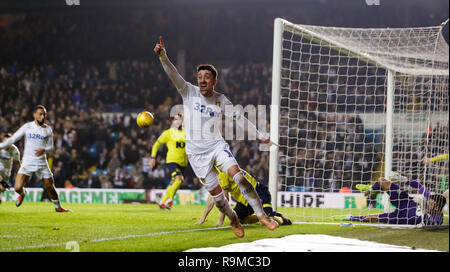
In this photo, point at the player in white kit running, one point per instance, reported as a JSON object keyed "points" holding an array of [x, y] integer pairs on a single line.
{"points": [[38, 143], [205, 146], [7, 158]]}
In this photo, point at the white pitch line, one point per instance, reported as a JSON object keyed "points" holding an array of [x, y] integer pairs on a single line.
{"points": [[112, 238]]}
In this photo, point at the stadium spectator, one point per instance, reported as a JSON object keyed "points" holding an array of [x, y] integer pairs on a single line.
{"points": [[68, 185]]}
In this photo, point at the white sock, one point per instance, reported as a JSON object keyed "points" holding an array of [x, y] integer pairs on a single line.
{"points": [[56, 203], [223, 205], [249, 193]]}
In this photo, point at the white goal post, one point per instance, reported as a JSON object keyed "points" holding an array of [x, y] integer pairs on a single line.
{"points": [[350, 105]]}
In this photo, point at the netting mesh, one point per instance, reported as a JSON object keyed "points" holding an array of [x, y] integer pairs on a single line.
{"points": [[421, 129], [333, 115]]}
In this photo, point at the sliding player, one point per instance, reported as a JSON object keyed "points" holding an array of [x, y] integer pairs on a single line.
{"points": [[205, 146], [7, 158], [244, 211], [409, 207], [38, 143], [176, 159]]}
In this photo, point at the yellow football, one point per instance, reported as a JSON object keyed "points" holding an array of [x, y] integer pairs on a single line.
{"points": [[145, 119]]}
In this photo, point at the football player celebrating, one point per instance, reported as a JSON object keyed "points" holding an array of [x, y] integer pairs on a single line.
{"points": [[38, 143], [176, 159], [205, 146], [243, 210], [7, 158]]}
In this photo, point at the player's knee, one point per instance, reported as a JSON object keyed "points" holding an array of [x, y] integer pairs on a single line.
{"points": [[233, 170], [244, 185], [239, 178]]}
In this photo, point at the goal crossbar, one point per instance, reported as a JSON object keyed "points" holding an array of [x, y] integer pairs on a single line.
{"points": [[307, 33]]}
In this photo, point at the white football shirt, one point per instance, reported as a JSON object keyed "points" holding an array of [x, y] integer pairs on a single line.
{"points": [[36, 137], [202, 119]]}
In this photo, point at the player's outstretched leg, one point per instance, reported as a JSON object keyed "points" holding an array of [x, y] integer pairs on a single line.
{"points": [[268, 222], [165, 199], [20, 198], [19, 184], [50, 187], [222, 204], [236, 226], [178, 180], [253, 199]]}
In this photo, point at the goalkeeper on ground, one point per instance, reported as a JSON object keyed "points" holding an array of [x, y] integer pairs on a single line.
{"points": [[176, 158], [243, 210], [414, 203]]}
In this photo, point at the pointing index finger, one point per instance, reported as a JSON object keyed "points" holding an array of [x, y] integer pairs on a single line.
{"points": [[161, 42]]}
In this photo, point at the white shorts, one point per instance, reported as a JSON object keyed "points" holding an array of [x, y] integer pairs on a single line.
{"points": [[203, 165], [41, 171]]}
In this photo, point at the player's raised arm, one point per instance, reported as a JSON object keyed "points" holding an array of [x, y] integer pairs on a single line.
{"points": [[162, 139], [168, 67], [209, 206], [14, 138]]}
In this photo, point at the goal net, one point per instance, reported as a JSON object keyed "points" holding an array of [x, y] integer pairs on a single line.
{"points": [[352, 105]]}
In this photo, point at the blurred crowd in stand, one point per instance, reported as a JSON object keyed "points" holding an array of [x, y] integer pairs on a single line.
{"points": [[94, 72]]}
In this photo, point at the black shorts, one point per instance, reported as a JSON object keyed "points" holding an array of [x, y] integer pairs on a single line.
{"points": [[243, 211], [174, 169]]}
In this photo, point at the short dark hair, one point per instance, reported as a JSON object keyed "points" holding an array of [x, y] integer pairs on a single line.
{"points": [[208, 67], [39, 107]]}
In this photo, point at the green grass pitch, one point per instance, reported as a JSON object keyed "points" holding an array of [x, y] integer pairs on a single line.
{"points": [[146, 228]]}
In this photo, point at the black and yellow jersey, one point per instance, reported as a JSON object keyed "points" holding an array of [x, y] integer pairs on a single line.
{"points": [[227, 183], [175, 141]]}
